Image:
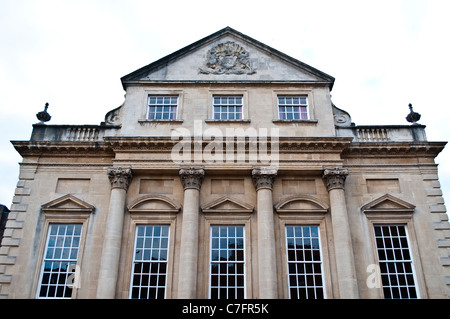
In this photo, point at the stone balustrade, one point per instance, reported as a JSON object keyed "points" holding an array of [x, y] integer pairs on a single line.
{"points": [[384, 133]]}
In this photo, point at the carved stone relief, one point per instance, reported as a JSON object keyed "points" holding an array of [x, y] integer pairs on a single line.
{"points": [[228, 58], [113, 116], [341, 117]]}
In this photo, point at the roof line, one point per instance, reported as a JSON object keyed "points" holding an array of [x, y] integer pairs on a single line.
{"points": [[185, 50]]}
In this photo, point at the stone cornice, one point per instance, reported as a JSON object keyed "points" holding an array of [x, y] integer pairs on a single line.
{"points": [[340, 145], [284, 144], [38, 148], [141, 143], [393, 149], [166, 143]]}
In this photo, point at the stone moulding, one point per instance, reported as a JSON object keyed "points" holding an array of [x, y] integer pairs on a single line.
{"points": [[344, 145], [67, 204], [305, 203], [225, 204], [34, 148], [388, 204], [145, 204], [111, 145], [394, 149]]}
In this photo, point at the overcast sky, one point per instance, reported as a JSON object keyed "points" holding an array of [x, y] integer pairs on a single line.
{"points": [[72, 54]]}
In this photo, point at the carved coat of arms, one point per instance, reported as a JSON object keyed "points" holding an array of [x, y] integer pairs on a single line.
{"points": [[228, 58]]}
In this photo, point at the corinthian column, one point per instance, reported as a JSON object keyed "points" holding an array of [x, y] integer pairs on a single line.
{"points": [[263, 178], [191, 178], [109, 266], [334, 179]]}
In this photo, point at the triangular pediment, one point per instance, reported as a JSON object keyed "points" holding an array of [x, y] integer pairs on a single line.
{"points": [[226, 204], [388, 203], [68, 203], [155, 204], [228, 55]]}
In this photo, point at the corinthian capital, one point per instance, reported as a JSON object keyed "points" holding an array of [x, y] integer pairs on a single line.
{"points": [[335, 177], [120, 177], [192, 177], [264, 177]]}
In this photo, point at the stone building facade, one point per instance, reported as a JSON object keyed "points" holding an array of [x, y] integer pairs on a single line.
{"points": [[227, 173]]}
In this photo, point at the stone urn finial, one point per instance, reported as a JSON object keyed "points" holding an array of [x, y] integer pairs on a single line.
{"points": [[412, 117], [44, 116]]}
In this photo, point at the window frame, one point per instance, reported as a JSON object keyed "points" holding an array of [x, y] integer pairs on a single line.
{"points": [[163, 96], [227, 106], [61, 260], [300, 105], [300, 92], [148, 218], [131, 285], [144, 111], [225, 93], [402, 215], [410, 260], [211, 262], [221, 219], [321, 262], [320, 219], [60, 217]]}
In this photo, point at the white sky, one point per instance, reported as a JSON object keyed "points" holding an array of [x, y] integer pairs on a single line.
{"points": [[72, 54]]}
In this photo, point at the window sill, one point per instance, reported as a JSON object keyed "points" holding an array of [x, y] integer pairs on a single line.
{"points": [[227, 121], [278, 121], [144, 121]]}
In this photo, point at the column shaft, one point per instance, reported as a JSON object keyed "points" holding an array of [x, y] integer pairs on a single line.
{"points": [[345, 264], [109, 264], [266, 246], [267, 268], [187, 283]]}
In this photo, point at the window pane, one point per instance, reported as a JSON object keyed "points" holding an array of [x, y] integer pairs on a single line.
{"points": [[60, 259], [227, 266], [395, 261], [162, 107], [304, 262], [292, 108], [227, 107], [150, 262]]}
